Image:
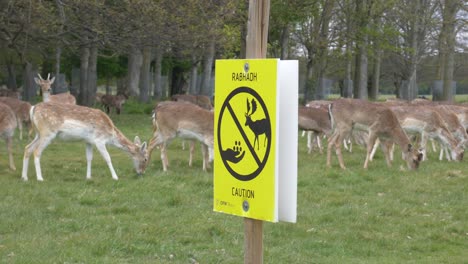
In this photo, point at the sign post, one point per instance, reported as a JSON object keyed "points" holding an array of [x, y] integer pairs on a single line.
{"points": [[255, 157]]}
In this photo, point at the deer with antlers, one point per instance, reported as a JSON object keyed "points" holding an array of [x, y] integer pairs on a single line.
{"points": [[7, 129], [71, 122], [46, 88], [258, 127]]}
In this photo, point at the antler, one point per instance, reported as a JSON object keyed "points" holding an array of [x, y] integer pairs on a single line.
{"points": [[248, 107], [40, 77], [254, 106]]}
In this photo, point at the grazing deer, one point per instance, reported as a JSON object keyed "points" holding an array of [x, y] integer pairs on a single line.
{"points": [[70, 122], [201, 100], [63, 98], [7, 129], [4, 92], [426, 121], [258, 127], [188, 121], [315, 121], [379, 121], [113, 101], [21, 110]]}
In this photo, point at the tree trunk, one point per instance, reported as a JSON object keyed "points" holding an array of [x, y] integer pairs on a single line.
{"points": [[285, 42], [158, 91], [178, 81], [374, 90], [145, 75], [193, 75], [29, 86], [92, 77], [360, 88], [206, 87], [11, 81], [135, 61], [447, 46], [84, 65]]}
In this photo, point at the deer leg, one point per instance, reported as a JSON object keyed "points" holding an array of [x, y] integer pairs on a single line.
{"points": [[339, 154], [386, 147], [20, 127], [309, 141], [423, 145], [331, 143], [374, 149], [41, 145], [9, 143], [206, 164], [191, 150], [319, 142], [370, 145], [89, 158], [28, 150], [164, 157], [102, 149]]}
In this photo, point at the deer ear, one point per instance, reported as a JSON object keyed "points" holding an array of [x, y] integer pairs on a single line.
{"points": [[52, 80], [37, 80], [143, 147], [137, 140]]}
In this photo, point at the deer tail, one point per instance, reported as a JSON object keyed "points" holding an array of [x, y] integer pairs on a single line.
{"points": [[330, 117]]}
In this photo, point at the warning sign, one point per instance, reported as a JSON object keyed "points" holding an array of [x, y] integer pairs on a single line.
{"points": [[245, 138]]}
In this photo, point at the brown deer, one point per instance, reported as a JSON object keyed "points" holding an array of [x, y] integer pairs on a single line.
{"points": [[113, 101], [21, 110], [7, 129], [201, 100], [378, 120], [184, 120], [46, 88], [315, 121], [258, 127], [51, 120]]}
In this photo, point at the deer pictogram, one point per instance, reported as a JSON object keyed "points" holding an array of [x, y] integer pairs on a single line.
{"points": [[258, 127]]}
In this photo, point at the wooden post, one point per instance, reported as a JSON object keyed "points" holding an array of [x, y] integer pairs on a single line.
{"points": [[256, 47]]}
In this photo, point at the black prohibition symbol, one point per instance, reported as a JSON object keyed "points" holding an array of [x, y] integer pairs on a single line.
{"points": [[258, 127]]}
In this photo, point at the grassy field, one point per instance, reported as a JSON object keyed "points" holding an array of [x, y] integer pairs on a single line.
{"points": [[379, 215]]}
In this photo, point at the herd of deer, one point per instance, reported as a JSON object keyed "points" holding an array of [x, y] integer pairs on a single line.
{"points": [[191, 117]]}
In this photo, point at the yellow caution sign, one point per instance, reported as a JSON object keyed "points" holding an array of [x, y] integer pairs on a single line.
{"points": [[245, 172]]}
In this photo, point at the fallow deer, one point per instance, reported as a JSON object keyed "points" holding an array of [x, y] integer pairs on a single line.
{"points": [[316, 122], [113, 101], [426, 121], [379, 121], [21, 110], [69, 122], [184, 120], [201, 100], [46, 88], [8, 125]]}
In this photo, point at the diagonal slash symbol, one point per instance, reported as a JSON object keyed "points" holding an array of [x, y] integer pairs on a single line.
{"points": [[244, 136], [231, 154]]}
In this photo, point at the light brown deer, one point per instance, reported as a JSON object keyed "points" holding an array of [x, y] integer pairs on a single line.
{"points": [[113, 101], [71, 122], [21, 110], [46, 88], [201, 100], [426, 121], [378, 120], [8, 125], [184, 120], [316, 122]]}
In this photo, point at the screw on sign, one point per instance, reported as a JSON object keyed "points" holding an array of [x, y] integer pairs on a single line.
{"points": [[243, 159]]}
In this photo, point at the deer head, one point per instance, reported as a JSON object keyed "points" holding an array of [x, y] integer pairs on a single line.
{"points": [[248, 114], [44, 84]]}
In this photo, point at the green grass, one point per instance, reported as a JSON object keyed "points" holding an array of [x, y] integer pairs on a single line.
{"points": [[379, 215]]}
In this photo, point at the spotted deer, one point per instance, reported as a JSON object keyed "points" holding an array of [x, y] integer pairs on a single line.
{"points": [[8, 125], [74, 122], [113, 101], [183, 120], [378, 121], [21, 110], [46, 88]]}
